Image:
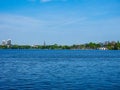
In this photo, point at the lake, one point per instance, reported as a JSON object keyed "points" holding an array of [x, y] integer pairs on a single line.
{"points": [[59, 70]]}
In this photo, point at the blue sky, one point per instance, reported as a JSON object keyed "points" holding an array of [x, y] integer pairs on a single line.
{"points": [[59, 21]]}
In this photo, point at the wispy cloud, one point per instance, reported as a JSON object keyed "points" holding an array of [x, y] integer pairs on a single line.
{"points": [[26, 24], [16, 22], [32, 0], [68, 22], [52, 0], [45, 0]]}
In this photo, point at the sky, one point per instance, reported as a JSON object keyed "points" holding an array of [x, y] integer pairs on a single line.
{"points": [[64, 22]]}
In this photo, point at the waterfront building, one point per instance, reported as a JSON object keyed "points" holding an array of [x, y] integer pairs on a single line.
{"points": [[103, 48], [8, 42], [3, 42]]}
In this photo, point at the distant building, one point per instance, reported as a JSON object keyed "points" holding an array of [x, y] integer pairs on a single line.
{"points": [[113, 42], [8, 42], [106, 42], [35, 46], [44, 43], [101, 44], [103, 48], [3, 42]]}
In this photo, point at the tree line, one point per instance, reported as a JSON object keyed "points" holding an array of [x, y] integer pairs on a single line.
{"points": [[88, 46]]}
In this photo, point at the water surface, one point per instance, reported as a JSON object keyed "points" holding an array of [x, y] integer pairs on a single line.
{"points": [[59, 70]]}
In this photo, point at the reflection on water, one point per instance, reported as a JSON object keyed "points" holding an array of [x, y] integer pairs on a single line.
{"points": [[59, 70]]}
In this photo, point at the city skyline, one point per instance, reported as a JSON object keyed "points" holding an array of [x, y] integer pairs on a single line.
{"points": [[59, 21]]}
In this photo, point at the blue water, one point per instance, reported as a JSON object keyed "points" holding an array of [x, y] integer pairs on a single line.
{"points": [[59, 70]]}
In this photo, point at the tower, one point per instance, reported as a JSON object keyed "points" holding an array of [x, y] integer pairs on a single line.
{"points": [[44, 43]]}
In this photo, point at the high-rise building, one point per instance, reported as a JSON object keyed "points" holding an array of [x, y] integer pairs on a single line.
{"points": [[8, 42], [3, 42], [44, 43]]}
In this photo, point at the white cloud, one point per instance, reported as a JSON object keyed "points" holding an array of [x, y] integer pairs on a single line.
{"points": [[46, 0]]}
